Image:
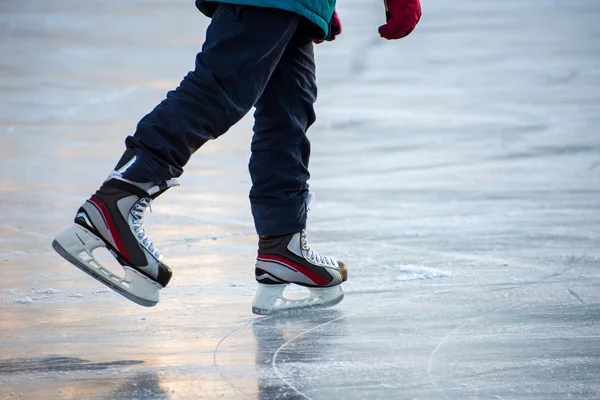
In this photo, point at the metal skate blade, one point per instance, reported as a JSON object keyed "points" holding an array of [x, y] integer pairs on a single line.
{"points": [[270, 300], [67, 256], [298, 310]]}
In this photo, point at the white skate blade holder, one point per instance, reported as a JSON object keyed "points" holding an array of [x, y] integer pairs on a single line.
{"points": [[269, 299], [76, 244]]}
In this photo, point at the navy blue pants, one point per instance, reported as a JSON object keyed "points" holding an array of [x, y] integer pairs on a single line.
{"points": [[252, 56]]}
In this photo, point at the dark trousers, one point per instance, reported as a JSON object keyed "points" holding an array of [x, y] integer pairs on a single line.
{"points": [[252, 56]]}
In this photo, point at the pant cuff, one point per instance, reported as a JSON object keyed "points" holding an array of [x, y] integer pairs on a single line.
{"points": [[147, 167], [279, 217]]}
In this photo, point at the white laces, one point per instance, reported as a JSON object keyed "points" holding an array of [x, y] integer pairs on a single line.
{"points": [[313, 255], [137, 214]]}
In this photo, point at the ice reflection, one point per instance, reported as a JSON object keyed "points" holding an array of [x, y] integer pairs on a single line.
{"points": [[144, 385], [294, 351], [57, 363], [70, 377]]}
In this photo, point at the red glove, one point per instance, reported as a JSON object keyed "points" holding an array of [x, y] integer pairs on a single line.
{"points": [[402, 17], [335, 26]]}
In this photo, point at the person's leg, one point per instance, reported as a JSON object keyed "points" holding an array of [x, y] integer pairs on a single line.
{"points": [[243, 45], [280, 148], [279, 170]]}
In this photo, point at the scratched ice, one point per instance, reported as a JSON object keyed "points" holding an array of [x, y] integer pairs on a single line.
{"points": [[457, 173]]}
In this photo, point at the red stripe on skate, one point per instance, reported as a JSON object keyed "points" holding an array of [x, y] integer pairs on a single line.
{"points": [[319, 280], [111, 227]]}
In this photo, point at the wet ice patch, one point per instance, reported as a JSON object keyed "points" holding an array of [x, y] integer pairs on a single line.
{"points": [[26, 300], [34, 295], [47, 291], [44, 293], [409, 272]]}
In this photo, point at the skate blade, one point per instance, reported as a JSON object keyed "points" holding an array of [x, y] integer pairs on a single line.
{"points": [[269, 299], [76, 245]]}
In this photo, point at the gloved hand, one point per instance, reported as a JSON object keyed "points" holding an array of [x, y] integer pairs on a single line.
{"points": [[335, 26], [402, 17]]}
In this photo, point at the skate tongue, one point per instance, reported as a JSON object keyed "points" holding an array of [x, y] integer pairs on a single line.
{"points": [[156, 190], [115, 175], [151, 188]]}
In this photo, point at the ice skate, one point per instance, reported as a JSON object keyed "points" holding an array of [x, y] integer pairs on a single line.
{"points": [[289, 259], [112, 218]]}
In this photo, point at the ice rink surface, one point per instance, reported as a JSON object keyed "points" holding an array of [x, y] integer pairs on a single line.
{"points": [[457, 173]]}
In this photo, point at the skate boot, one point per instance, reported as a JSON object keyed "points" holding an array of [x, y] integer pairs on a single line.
{"points": [[112, 218], [289, 259]]}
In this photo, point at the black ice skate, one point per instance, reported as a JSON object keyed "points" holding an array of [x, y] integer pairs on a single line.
{"points": [[289, 259], [112, 218]]}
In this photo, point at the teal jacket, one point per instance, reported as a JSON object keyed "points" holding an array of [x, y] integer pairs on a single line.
{"points": [[318, 12]]}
